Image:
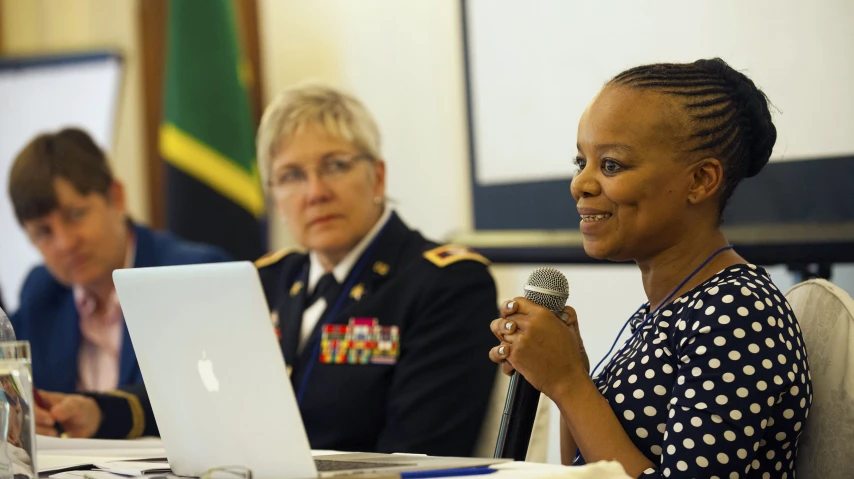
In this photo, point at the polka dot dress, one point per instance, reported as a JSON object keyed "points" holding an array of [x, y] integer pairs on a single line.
{"points": [[717, 383]]}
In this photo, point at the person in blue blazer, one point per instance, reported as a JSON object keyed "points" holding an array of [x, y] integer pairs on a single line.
{"points": [[73, 210]]}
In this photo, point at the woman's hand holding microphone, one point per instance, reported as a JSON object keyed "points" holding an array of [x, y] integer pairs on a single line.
{"points": [[545, 349]]}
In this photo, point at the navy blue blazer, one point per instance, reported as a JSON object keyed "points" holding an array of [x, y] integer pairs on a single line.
{"points": [[48, 318]]}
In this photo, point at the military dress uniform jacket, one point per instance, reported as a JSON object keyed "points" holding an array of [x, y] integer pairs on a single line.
{"points": [[427, 390]]}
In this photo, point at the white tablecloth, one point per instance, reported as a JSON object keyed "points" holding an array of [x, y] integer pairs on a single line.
{"points": [[60, 453]]}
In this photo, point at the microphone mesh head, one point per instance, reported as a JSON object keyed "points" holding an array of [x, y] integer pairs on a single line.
{"points": [[547, 287]]}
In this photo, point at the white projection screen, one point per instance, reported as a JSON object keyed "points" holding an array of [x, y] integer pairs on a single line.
{"points": [[532, 67]]}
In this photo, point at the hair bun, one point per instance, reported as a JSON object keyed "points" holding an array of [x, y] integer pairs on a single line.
{"points": [[753, 106]]}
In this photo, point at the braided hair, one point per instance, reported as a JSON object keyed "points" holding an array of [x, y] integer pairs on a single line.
{"points": [[728, 115]]}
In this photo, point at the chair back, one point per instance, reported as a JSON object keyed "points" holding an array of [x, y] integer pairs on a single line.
{"points": [[826, 317]]}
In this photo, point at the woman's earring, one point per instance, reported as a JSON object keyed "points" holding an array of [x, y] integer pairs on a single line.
{"points": [[378, 200]]}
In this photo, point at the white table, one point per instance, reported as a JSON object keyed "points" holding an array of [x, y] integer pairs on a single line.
{"points": [[58, 453]]}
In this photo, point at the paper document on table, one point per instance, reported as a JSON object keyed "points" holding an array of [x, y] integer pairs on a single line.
{"points": [[104, 475], [46, 443], [56, 463], [135, 468], [55, 454], [89, 449], [530, 470]]}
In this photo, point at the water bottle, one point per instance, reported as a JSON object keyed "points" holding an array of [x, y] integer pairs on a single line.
{"points": [[7, 333], [17, 428]]}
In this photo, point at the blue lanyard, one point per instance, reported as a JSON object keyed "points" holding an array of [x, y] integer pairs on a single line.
{"points": [[653, 313], [330, 313]]}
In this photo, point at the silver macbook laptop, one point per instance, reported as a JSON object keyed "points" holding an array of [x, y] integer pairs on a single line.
{"points": [[217, 380]]}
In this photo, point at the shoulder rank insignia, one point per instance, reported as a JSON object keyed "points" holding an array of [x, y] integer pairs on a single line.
{"points": [[450, 254], [273, 257]]}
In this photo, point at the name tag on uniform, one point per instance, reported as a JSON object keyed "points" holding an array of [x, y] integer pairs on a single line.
{"points": [[361, 341]]}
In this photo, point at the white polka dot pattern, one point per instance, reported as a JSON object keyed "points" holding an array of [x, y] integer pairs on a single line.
{"points": [[723, 385]]}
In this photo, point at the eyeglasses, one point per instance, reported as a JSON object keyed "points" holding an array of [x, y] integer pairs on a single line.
{"points": [[227, 472], [331, 168]]}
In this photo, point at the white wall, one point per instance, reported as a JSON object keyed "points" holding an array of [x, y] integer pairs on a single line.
{"points": [[404, 61]]}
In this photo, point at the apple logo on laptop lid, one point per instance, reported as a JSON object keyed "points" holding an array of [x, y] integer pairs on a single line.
{"points": [[206, 372]]}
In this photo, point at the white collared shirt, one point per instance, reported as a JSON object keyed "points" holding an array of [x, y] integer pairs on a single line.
{"points": [[312, 314], [101, 330]]}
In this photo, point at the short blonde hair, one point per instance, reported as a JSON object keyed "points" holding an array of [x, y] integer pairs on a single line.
{"points": [[334, 112]]}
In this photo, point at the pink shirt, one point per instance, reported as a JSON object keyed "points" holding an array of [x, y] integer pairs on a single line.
{"points": [[101, 330]]}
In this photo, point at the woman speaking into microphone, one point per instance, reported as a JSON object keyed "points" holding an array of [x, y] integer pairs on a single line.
{"points": [[714, 380]]}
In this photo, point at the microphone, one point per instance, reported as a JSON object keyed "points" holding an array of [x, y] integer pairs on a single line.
{"points": [[548, 288]]}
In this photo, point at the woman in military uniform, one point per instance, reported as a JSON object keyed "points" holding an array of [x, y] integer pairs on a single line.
{"points": [[383, 331]]}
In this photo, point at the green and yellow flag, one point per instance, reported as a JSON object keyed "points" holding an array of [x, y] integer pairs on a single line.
{"points": [[207, 137]]}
